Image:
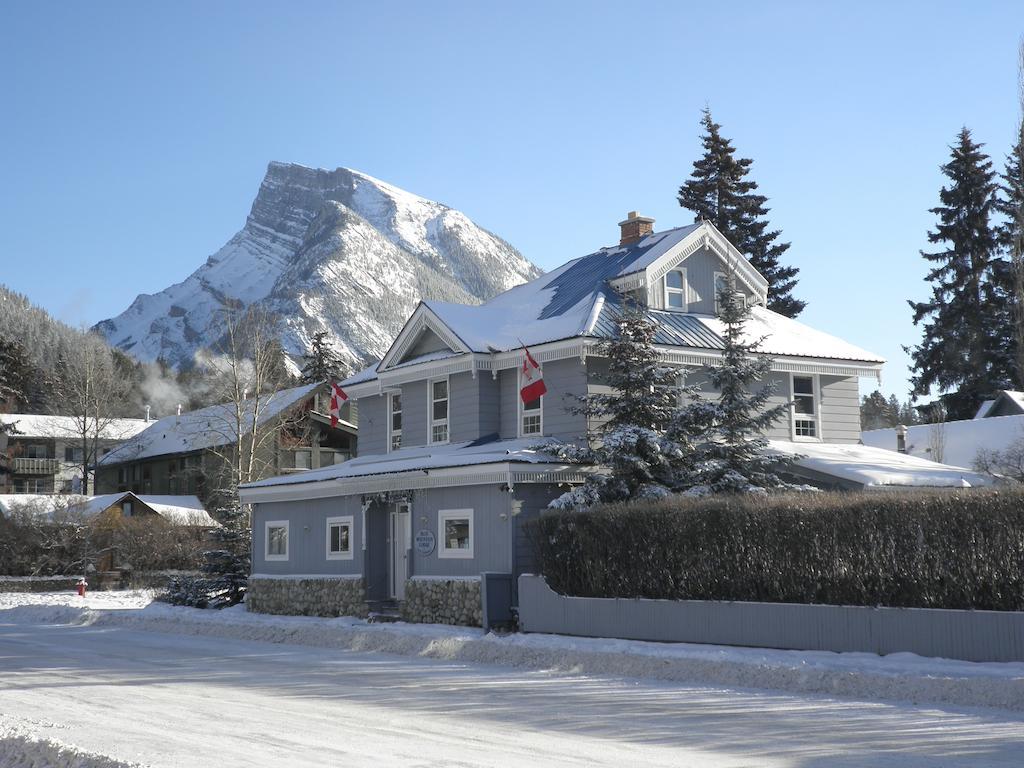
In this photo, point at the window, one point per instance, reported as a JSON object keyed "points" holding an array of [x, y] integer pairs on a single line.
{"points": [[126, 509], [277, 540], [805, 411], [722, 284], [339, 538], [675, 289], [439, 411], [531, 414], [455, 531], [395, 424], [37, 452], [73, 454]]}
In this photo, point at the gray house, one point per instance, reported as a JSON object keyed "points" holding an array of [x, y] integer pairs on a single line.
{"points": [[446, 476]]}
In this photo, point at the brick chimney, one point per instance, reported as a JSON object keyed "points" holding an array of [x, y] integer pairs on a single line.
{"points": [[635, 227]]}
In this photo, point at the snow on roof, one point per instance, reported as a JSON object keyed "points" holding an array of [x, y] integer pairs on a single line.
{"points": [[960, 441], [179, 510], [984, 408], [205, 428], [42, 425], [875, 468], [418, 459]]}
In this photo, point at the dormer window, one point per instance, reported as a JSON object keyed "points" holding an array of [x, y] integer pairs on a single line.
{"points": [[675, 290]]}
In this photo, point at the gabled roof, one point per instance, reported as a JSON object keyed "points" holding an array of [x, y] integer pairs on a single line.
{"points": [[579, 299], [42, 425], [206, 428], [1007, 402], [179, 510]]}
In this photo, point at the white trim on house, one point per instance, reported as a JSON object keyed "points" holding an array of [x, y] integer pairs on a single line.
{"points": [[392, 432], [521, 412], [443, 550], [422, 318], [342, 522], [476, 474], [682, 291], [433, 423], [276, 557], [814, 418], [581, 348]]}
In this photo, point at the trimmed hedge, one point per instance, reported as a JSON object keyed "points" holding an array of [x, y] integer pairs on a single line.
{"points": [[962, 549]]}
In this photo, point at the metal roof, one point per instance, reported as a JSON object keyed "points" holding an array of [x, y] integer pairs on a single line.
{"points": [[673, 328]]}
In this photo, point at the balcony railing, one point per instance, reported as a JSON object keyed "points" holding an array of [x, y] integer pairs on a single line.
{"points": [[23, 466]]}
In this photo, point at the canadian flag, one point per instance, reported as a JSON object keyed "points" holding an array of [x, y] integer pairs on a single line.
{"points": [[338, 397], [533, 379]]}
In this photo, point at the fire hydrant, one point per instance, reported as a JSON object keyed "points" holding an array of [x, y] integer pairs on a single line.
{"points": [[80, 587]]}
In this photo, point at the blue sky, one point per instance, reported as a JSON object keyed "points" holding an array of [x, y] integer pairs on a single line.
{"points": [[134, 135]]}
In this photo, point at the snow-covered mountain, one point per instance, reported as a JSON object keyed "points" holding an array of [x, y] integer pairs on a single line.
{"points": [[327, 250]]}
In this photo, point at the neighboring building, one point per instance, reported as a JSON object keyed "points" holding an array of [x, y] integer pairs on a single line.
{"points": [[45, 454], [1005, 403], [446, 475], [186, 453], [176, 510]]}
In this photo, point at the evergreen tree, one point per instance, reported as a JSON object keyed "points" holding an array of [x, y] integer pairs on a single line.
{"points": [[632, 441], [963, 320], [877, 412], [18, 377], [321, 363], [731, 458], [718, 190], [1009, 203]]}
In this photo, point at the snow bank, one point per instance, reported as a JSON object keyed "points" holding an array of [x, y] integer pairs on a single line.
{"points": [[900, 677], [20, 747]]}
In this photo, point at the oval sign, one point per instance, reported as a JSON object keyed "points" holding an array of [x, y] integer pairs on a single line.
{"points": [[425, 542]]}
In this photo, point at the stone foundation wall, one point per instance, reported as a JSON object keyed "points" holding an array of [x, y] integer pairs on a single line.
{"points": [[442, 601], [307, 597], [44, 584]]}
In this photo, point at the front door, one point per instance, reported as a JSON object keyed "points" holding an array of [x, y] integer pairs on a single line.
{"points": [[399, 535]]}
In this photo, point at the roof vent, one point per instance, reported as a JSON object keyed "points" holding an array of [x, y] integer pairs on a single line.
{"points": [[634, 227]]}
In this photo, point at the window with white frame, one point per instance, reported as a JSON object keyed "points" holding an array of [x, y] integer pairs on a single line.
{"points": [[339, 538], [675, 289], [395, 422], [805, 407], [455, 532], [721, 285], [531, 414], [439, 411], [276, 540]]}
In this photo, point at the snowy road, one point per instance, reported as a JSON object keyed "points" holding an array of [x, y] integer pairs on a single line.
{"points": [[172, 700]]}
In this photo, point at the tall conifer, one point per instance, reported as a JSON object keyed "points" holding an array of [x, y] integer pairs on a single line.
{"points": [[960, 352], [718, 190]]}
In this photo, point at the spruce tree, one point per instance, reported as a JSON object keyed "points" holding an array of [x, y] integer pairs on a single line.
{"points": [[631, 442], [17, 376], [876, 412], [731, 458], [1009, 203], [718, 190], [321, 363], [963, 321]]}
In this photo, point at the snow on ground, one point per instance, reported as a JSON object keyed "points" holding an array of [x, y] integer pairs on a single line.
{"points": [[164, 686]]}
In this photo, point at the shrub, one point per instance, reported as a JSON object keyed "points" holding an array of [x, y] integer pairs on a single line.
{"points": [[962, 549]]}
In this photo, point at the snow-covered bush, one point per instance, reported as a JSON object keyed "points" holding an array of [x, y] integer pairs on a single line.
{"points": [[955, 549]]}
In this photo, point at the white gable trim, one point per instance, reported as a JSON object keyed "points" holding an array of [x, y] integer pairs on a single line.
{"points": [[422, 318], [704, 236]]}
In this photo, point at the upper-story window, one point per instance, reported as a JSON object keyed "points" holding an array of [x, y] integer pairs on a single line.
{"points": [[395, 422], [439, 411], [531, 414], [805, 408], [675, 289], [721, 285]]}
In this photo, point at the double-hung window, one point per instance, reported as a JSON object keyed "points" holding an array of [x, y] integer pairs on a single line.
{"points": [[455, 532], [722, 285], [675, 289], [395, 422], [439, 411], [339, 538], [531, 414], [276, 540], [805, 408]]}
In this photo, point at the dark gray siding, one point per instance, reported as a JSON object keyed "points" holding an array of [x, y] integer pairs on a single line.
{"points": [[782, 429], [492, 538], [474, 406], [373, 425], [840, 409], [508, 391], [565, 380], [535, 499], [376, 553], [307, 536]]}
